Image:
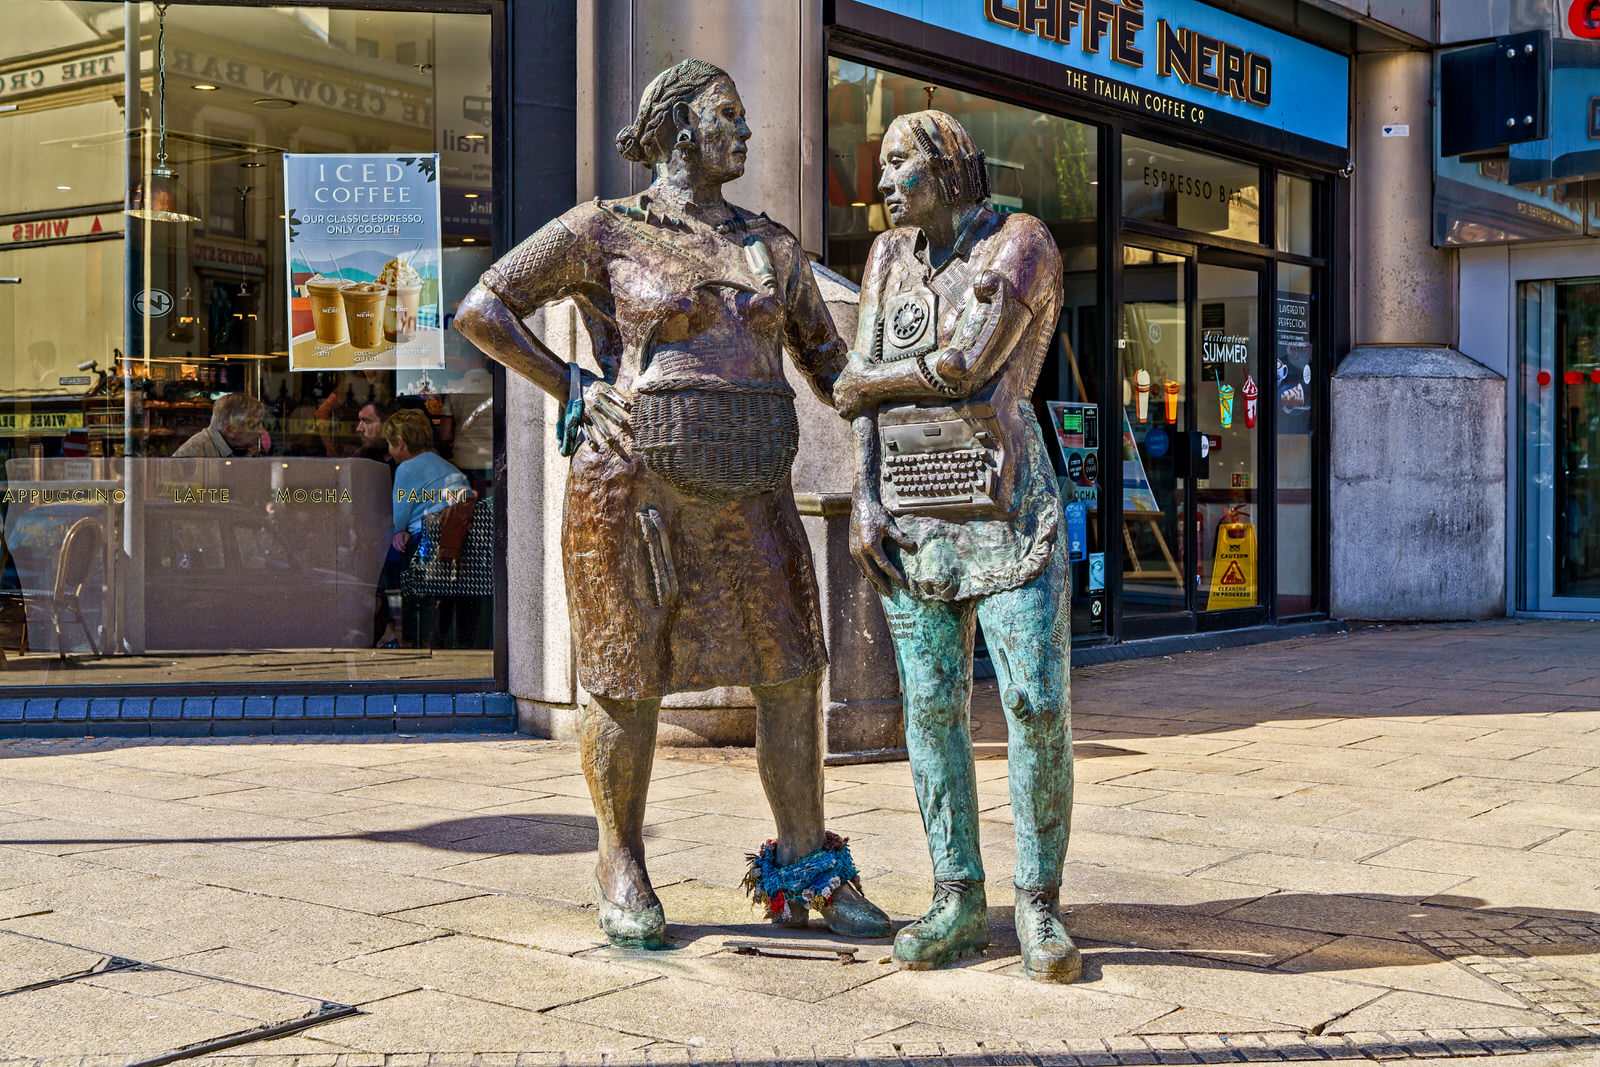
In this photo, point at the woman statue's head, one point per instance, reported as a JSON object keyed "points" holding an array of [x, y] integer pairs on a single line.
{"points": [[690, 114], [931, 168]]}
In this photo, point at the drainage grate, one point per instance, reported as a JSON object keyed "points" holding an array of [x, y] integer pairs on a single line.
{"points": [[96, 1004]]}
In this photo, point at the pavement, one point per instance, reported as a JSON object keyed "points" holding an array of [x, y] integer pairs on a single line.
{"points": [[1374, 845]]}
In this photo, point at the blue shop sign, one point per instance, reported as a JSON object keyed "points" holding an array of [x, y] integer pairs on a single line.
{"points": [[1181, 60]]}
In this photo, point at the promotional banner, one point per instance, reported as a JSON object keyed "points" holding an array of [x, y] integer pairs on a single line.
{"points": [[364, 262]]}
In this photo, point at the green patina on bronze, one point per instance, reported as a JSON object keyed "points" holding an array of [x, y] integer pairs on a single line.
{"points": [[955, 521]]}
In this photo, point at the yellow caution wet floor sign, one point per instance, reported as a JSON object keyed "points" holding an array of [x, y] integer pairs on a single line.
{"points": [[1233, 570]]}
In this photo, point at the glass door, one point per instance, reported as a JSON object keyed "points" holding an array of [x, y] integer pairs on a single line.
{"points": [[1191, 350], [1154, 351], [1227, 486], [1559, 327]]}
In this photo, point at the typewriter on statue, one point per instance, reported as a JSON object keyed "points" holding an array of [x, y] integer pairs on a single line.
{"points": [[942, 461]]}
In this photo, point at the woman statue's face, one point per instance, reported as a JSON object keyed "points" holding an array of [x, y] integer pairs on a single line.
{"points": [[909, 186], [720, 131]]}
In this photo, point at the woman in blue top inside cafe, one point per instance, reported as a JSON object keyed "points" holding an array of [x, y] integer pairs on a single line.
{"points": [[424, 482]]}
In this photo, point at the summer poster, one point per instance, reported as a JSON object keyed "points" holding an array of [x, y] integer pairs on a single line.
{"points": [[364, 259]]}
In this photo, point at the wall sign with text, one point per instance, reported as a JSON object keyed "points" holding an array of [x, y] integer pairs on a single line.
{"points": [[364, 261], [1179, 60]]}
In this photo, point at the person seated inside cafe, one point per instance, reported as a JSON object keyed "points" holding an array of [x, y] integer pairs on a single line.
{"points": [[238, 428], [424, 482], [369, 429]]}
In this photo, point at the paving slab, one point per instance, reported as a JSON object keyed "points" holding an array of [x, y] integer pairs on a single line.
{"points": [[535, 923], [1405, 1010], [431, 1019], [1295, 853], [1296, 1001], [487, 970], [686, 1011]]}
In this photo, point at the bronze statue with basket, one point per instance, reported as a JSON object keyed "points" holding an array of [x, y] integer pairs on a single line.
{"points": [[686, 564]]}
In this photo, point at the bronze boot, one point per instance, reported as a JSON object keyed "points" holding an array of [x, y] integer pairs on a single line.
{"points": [[851, 914], [956, 925], [1048, 954], [629, 928]]}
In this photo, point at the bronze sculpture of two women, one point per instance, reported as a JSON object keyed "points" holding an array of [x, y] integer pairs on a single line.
{"points": [[686, 564]]}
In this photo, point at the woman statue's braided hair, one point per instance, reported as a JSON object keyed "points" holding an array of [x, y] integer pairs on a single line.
{"points": [[961, 170], [642, 141]]}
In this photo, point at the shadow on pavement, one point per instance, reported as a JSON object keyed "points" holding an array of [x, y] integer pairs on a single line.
{"points": [[1329, 932], [534, 835]]}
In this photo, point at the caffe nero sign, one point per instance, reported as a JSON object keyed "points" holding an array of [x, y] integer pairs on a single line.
{"points": [[1179, 60]]}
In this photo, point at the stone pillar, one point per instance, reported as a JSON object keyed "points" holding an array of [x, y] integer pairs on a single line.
{"points": [[1419, 486], [1403, 290], [539, 645], [861, 694], [1417, 500]]}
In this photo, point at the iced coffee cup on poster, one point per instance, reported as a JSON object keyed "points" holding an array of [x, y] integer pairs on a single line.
{"points": [[1225, 404], [327, 308], [1170, 391], [1249, 393], [1141, 385], [403, 285], [363, 313]]}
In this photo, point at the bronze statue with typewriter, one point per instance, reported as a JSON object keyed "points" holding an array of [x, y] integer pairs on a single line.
{"points": [[955, 521]]}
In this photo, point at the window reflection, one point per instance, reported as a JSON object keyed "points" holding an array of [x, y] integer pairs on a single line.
{"points": [[236, 504], [1190, 190]]}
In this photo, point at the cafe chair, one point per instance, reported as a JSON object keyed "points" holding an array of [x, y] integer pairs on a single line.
{"points": [[452, 569], [23, 649], [75, 561]]}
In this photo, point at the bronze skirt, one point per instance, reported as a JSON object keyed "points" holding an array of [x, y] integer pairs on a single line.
{"points": [[741, 605]]}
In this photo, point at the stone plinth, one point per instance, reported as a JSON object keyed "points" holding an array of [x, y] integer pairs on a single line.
{"points": [[1418, 496]]}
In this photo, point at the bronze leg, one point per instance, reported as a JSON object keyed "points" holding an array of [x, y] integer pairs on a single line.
{"points": [[619, 742], [789, 756]]}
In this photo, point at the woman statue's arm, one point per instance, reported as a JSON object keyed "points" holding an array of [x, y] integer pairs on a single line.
{"points": [[551, 264], [486, 321]]}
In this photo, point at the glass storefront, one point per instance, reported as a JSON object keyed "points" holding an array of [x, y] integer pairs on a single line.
{"points": [[1559, 343], [235, 430], [1211, 360]]}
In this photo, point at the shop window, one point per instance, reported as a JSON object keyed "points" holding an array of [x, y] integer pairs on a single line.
{"points": [[1293, 392], [1191, 190], [263, 549], [1296, 215], [1041, 164], [1559, 365]]}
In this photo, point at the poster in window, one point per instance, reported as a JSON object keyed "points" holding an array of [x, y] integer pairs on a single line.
{"points": [[1293, 372], [364, 261]]}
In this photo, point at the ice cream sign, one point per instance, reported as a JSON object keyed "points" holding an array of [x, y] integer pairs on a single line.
{"points": [[364, 261]]}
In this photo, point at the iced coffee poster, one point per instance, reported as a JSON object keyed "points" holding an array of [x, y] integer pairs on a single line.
{"points": [[364, 262]]}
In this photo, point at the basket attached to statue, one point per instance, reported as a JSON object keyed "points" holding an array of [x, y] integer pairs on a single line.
{"points": [[717, 441]]}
